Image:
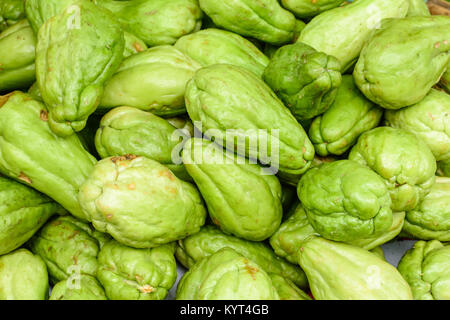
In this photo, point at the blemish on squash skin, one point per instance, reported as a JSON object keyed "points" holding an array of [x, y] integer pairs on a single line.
{"points": [[43, 115], [124, 158], [5, 98], [23, 177], [251, 270]]}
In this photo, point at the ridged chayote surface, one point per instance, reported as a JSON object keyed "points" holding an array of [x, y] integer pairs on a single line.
{"points": [[140, 202], [309, 8], [402, 159], [83, 288], [286, 289], [426, 267], [32, 153], [226, 275], [11, 12]]}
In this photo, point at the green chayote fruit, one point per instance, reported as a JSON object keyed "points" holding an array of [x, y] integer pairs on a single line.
{"points": [[72, 84], [140, 202], [304, 79], [379, 252], [429, 119], [23, 211], [297, 228], [69, 247], [342, 32], [214, 46], [229, 100], [339, 271], [136, 274], [345, 201], [286, 289], [23, 276], [310, 8], [403, 60], [133, 45], [418, 8], [264, 20], [210, 239], [426, 267], [431, 218], [351, 114], [444, 168], [11, 12], [34, 92], [126, 130], [153, 80], [31, 153], [222, 180], [226, 275], [17, 46], [157, 22], [83, 288], [402, 159]]}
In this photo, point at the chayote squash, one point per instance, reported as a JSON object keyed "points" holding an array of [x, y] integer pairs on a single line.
{"points": [[429, 119], [264, 20], [402, 159], [140, 202], [403, 60], [222, 180], [69, 248], [23, 211], [210, 239], [339, 271], [23, 276], [84, 288], [304, 79], [11, 12], [342, 32], [133, 45], [126, 130], [214, 46], [153, 80], [351, 114], [224, 100], [418, 8], [156, 22], [426, 267], [286, 289], [226, 275], [31, 153], [17, 46], [310, 8], [71, 84], [136, 274], [431, 218]]}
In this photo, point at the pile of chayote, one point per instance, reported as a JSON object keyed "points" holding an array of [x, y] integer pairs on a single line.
{"points": [[268, 148]]}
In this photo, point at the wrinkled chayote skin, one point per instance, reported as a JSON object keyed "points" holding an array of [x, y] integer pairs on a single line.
{"points": [[156, 22], [126, 130], [403, 60], [431, 218], [83, 288], [225, 97], [31, 153], [11, 12], [214, 46], [286, 289], [264, 20], [297, 228], [345, 201], [304, 79], [418, 8], [309, 8], [222, 180], [429, 119], [140, 202], [23, 276], [23, 211], [426, 267], [226, 275], [72, 84], [342, 32], [402, 159], [339, 271], [68, 247], [17, 52], [351, 114], [210, 239], [153, 80], [136, 274]]}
